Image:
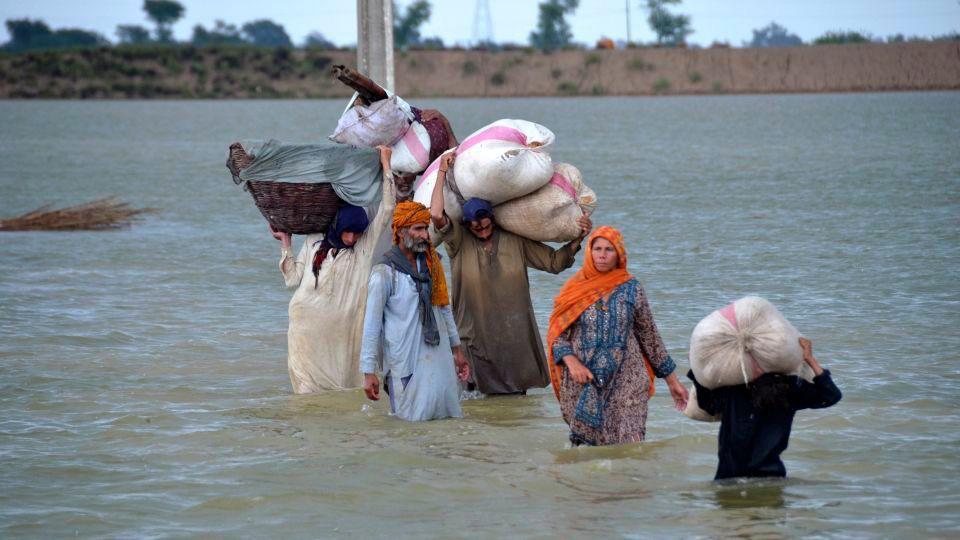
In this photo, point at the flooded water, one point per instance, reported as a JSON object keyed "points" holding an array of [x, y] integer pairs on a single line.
{"points": [[144, 390]]}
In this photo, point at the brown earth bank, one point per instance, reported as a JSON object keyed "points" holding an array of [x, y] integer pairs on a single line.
{"points": [[231, 72]]}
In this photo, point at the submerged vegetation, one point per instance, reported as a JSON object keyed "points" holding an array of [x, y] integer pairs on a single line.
{"points": [[106, 213]]}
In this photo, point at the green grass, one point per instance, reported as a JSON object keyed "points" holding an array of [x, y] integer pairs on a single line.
{"points": [[568, 88], [639, 64], [661, 86], [842, 37]]}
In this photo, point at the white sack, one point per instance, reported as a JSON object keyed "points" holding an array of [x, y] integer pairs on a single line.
{"points": [[423, 193], [693, 410], [382, 122], [502, 161], [411, 154], [499, 162], [550, 213], [725, 344]]}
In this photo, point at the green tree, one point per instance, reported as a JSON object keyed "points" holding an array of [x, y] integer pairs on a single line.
{"points": [[774, 35], [435, 43], [553, 31], [266, 33], [220, 34], [26, 34], [164, 13], [132, 34], [840, 37], [670, 29], [76, 37], [31, 35], [316, 40], [406, 26]]}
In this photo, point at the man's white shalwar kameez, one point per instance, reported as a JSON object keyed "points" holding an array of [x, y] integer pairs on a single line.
{"points": [[422, 378]]}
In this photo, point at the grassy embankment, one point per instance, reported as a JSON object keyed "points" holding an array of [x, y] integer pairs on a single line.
{"points": [[171, 72], [244, 72]]}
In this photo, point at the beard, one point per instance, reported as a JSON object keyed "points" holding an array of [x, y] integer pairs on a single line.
{"points": [[483, 236], [415, 245]]}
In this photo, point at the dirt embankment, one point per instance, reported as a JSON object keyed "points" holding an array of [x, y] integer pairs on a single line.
{"points": [[188, 72]]}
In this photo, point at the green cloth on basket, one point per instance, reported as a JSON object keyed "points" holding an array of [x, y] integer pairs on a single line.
{"points": [[354, 173]]}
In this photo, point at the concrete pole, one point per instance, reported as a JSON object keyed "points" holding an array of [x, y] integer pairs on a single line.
{"points": [[629, 37], [375, 41]]}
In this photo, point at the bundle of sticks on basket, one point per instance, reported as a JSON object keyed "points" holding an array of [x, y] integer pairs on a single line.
{"points": [[291, 207]]}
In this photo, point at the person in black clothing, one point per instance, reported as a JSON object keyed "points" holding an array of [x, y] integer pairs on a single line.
{"points": [[756, 418]]}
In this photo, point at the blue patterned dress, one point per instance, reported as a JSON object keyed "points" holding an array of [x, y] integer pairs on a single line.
{"points": [[611, 338]]}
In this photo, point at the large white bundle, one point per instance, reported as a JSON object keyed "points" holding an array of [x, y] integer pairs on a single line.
{"points": [[411, 154], [550, 213], [423, 193], [502, 161], [725, 345], [382, 122]]}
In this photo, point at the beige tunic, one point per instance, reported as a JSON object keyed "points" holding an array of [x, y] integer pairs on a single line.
{"points": [[492, 307], [326, 313]]}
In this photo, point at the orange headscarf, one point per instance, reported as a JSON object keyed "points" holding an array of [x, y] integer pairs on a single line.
{"points": [[581, 291], [410, 213]]}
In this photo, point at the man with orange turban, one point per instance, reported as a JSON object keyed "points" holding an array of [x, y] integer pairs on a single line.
{"points": [[409, 326]]}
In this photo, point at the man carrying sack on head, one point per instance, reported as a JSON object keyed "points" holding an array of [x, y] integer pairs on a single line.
{"points": [[491, 291]]}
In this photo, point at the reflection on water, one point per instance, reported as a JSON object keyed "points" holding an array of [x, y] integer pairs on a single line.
{"points": [[750, 494], [144, 389]]}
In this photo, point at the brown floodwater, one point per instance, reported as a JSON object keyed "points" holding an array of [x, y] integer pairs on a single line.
{"points": [[144, 390]]}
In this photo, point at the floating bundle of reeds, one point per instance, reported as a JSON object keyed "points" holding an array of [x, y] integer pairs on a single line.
{"points": [[106, 213]]}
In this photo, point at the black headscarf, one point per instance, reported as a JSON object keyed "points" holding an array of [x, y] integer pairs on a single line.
{"points": [[349, 218]]}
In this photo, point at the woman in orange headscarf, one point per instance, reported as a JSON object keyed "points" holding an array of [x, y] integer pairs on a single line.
{"points": [[605, 348]]}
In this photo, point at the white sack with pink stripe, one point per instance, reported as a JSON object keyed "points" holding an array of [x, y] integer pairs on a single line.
{"points": [[737, 343], [423, 193], [550, 213], [411, 154], [499, 162]]}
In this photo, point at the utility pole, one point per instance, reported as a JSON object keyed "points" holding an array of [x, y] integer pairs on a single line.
{"points": [[375, 41], [629, 39], [482, 24]]}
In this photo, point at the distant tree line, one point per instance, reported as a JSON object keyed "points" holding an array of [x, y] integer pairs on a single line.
{"points": [[775, 35], [552, 31], [26, 34]]}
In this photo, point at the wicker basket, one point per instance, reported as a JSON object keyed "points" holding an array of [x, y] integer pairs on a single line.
{"points": [[292, 207]]}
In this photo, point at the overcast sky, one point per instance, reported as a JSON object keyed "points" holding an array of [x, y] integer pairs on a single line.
{"points": [[512, 20]]}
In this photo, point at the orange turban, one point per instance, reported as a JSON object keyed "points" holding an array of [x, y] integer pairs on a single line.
{"points": [[581, 291], [410, 213]]}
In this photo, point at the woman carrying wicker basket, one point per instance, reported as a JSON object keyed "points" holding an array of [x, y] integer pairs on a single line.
{"points": [[330, 275]]}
